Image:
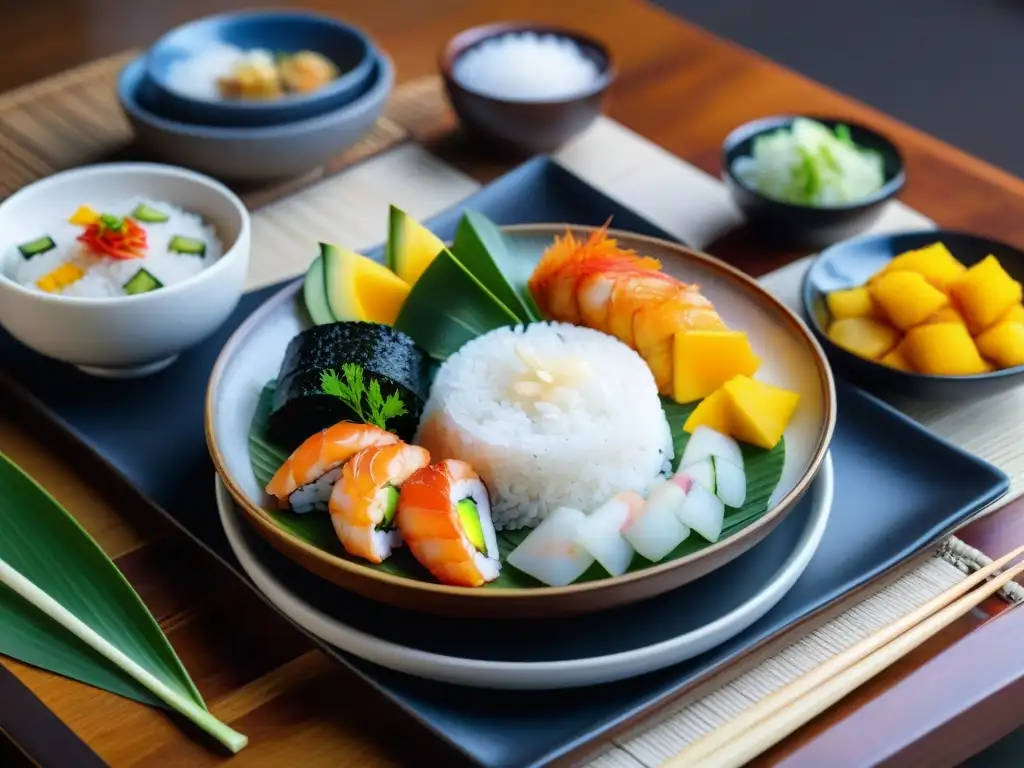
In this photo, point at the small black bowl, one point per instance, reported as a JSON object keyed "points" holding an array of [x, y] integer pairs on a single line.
{"points": [[806, 226], [851, 263]]}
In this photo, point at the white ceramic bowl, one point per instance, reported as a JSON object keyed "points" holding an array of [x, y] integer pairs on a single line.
{"points": [[127, 335]]}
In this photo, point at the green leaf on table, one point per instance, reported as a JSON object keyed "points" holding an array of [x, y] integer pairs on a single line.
{"points": [[482, 248], [449, 306], [50, 565]]}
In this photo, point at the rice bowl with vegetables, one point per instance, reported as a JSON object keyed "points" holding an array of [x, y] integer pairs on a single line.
{"points": [[129, 248]]}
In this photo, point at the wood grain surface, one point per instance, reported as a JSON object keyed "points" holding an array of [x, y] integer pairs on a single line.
{"points": [[685, 90]]}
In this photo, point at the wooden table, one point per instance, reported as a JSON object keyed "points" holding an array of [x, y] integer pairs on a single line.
{"points": [[682, 88]]}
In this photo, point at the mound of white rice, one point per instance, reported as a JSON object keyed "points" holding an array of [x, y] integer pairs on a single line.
{"points": [[576, 446]]}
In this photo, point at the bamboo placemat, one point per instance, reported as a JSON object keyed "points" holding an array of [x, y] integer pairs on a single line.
{"points": [[73, 119]]}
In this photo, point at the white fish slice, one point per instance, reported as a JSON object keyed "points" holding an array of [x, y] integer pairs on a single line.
{"points": [[703, 512], [601, 533], [657, 530], [550, 553]]}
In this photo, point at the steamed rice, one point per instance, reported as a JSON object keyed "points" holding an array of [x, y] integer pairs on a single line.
{"points": [[605, 434], [105, 276]]}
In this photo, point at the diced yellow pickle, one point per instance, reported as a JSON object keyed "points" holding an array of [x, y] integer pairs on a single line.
{"points": [[943, 349], [852, 302], [906, 298], [863, 336], [1003, 344], [933, 262], [984, 293], [60, 278], [84, 216]]}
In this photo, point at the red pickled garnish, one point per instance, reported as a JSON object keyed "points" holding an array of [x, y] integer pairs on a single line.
{"points": [[114, 237]]}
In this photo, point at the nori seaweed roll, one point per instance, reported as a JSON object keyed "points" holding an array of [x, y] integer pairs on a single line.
{"points": [[301, 408]]}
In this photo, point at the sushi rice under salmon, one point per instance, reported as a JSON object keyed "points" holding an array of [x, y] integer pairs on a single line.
{"points": [[444, 515]]}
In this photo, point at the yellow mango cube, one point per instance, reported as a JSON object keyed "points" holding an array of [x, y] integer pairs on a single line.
{"points": [[1003, 344], [896, 359], [984, 293], [852, 302], [759, 412], [943, 349], [933, 262], [906, 298], [704, 360], [1014, 315], [948, 314], [714, 412], [863, 336]]}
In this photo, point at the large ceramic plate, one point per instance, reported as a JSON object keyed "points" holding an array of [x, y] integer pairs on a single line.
{"points": [[561, 654], [792, 359]]}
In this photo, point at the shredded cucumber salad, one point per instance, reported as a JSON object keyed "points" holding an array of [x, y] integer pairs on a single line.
{"points": [[808, 164]]}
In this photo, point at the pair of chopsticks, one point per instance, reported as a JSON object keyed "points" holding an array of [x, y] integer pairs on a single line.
{"points": [[778, 715]]}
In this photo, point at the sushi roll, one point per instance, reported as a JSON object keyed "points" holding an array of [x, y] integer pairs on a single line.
{"points": [[365, 499], [305, 481], [601, 533], [550, 553], [444, 515]]}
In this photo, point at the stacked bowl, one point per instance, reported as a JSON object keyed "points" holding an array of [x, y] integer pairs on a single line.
{"points": [[255, 96]]}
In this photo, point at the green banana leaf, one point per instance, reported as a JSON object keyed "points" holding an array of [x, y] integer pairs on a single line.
{"points": [[763, 469], [482, 248], [45, 544], [449, 306]]}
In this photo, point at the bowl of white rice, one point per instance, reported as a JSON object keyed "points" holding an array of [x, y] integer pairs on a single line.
{"points": [[526, 87], [118, 268]]}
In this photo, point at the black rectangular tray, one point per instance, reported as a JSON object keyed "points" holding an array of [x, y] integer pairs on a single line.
{"points": [[899, 490]]}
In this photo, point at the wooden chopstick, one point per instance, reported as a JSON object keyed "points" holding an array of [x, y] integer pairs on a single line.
{"points": [[784, 711]]}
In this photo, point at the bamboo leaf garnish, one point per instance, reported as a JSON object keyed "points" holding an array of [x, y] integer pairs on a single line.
{"points": [[38, 598], [352, 390]]}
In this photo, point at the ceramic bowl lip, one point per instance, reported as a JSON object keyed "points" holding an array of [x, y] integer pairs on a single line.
{"points": [[474, 36], [116, 169], [762, 125], [343, 82], [133, 75], [807, 290], [259, 518]]}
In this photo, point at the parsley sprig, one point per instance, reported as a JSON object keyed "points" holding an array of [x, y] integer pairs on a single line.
{"points": [[368, 402]]}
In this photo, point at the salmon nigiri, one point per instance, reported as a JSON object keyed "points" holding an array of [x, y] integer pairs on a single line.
{"points": [[305, 480], [444, 515], [365, 498]]}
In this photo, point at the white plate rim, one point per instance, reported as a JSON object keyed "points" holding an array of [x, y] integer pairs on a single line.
{"points": [[541, 675]]}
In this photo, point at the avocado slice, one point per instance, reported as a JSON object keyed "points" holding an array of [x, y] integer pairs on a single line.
{"points": [[36, 247], [149, 215], [390, 507], [187, 245], [142, 282], [411, 247], [314, 293], [469, 516]]}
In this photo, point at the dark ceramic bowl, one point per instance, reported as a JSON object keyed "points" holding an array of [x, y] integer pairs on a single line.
{"points": [[806, 226], [527, 127], [852, 262], [289, 31]]}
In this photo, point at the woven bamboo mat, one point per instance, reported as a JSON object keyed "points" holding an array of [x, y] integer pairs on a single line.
{"points": [[73, 119]]}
